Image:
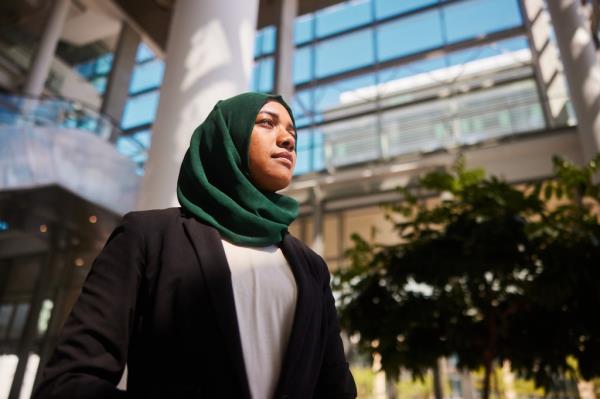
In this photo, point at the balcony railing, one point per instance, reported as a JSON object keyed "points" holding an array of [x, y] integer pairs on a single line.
{"points": [[61, 142], [56, 112]]}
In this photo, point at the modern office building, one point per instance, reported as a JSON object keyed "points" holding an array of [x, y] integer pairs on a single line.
{"points": [[98, 99]]}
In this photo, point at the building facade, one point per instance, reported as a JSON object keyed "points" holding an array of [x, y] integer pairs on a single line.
{"points": [[98, 100]]}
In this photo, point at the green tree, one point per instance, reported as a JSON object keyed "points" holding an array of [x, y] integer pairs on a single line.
{"points": [[488, 273]]}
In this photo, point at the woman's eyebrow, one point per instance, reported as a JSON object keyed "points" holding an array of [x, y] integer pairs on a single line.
{"points": [[273, 114]]}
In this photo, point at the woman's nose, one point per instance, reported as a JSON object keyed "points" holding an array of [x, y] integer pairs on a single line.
{"points": [[286, 141]]}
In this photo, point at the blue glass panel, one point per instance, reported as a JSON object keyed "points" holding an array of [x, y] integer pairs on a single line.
{"points": [[413, 68], [143, 137], [474, 18], [143, 53], [335, 94], [258, 39], [318, 151], [408, 35], [310, 152], [344, 53], [100, 84], [303, 29], [266, 75], [103, 64], [140, 110], [263, 74], [269, 40], [304, 152], [86, 69], [343, 16], [302, 107], [302, 162], [388, 8], [146, 76], [302, 65], [127, 146], [304, 139], [490, 50]]}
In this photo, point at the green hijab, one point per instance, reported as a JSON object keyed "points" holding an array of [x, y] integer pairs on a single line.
{"points": [[214, 182]]}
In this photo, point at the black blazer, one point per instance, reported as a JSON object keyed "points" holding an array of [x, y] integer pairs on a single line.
{"points": [[159, 298]]}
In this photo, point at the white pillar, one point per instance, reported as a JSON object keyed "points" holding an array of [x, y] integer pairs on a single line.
{"points": [[284, 57], [209, 57], [40, 65], [547, 66], [581, 69], [121, 72]]}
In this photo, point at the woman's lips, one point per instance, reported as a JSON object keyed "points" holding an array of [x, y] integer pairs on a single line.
{"points": [[285, 158]]}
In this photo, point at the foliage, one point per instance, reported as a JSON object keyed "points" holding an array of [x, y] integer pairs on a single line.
{"points": [[489, 272]]}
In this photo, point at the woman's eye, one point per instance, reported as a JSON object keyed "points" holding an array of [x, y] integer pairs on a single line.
{"points": [[266, 122]]}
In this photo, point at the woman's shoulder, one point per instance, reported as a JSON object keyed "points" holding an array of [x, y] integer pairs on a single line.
{"points": [[152, 219]]}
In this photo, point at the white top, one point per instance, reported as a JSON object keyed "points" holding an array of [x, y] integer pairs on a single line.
{"points": [[265, 294]]}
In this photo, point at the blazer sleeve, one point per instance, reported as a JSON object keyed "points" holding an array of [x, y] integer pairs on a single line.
{"points": [[92, 349], [335, 379]]}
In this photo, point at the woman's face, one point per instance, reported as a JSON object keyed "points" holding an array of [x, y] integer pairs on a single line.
{"points": [[272, 142]]}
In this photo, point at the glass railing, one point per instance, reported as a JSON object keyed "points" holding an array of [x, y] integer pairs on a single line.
{"points": [[16, 110]]}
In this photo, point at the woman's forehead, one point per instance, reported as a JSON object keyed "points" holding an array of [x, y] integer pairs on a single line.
{"points": [[274, 107]]}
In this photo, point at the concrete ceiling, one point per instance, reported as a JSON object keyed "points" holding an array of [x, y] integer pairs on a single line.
{"points": [[153, 17]]}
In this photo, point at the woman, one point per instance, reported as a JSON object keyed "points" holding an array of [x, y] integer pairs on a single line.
{"points": [[214, 299]]}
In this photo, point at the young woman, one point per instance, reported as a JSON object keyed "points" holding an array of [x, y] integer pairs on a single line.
{"points": [[214, 299]]}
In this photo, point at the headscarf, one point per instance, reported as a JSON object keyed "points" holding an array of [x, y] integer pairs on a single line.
{"points": [[214, 182]]}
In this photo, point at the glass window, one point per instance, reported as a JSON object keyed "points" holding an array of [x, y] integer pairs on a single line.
{"points": [[409, 35], [128, 146], [103, 64], [269, 40], [265, 41], [474, 18], [303, 29], [144, 137], [352, 141], [100, 84], [489, 50], [344, 53], [263, 75], [140, 110], [143, 53], [310, 153], [302, 106], [340, 98], [146, 76], [86, 69], [343, 16], [302, 65], [396, 73], [388, 8]]}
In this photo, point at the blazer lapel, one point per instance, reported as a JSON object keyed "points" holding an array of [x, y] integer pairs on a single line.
{"points": [[213, 262], [308, 297]]}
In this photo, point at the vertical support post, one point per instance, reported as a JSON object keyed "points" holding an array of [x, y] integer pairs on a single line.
{"points": [[551, 85], [582, 70], [119, 79], [40, 65], [209, 57], [284, 56], [30, 329]]}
